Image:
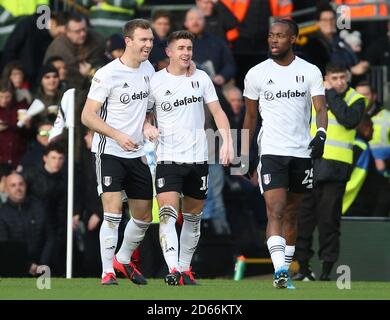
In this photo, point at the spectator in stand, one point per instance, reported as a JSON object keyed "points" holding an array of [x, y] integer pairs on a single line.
{"points": [[81, 49], [60, 65], [367, 192], [234, 97], [48, 183], [210, 53], [48, 94], [380, 143], [36, 148], [12, 138], [326, 46], [115, 46], [161, 25], [354, 40], [13, 73], [23, 219], [219, 19], [92, 209], [28, 44], [5, 170]]}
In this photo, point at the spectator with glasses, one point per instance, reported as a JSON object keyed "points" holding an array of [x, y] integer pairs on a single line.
{"points": [[82, 50]]}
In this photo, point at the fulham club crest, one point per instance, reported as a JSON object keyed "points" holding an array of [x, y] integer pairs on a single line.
{"points": [[160, 182], [300, 79], [266, 179], [107, 180], [195, 84]]}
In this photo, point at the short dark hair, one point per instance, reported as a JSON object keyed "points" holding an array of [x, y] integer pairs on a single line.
{"points": [[181, 34], [61, 18], [291, 24], [334, 67], [365, 83], [6, 86], [76, 17], [5, 169], [129, 28], [323, 8], [57, 147], [161, 14]]}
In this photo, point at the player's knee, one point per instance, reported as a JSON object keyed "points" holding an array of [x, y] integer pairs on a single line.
{"points": [[275, 210], [146, 218], [167, 212]]}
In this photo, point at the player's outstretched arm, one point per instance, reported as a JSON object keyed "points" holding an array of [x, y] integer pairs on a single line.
{"points": [[318, 142], [90, 118], [222, 122]]}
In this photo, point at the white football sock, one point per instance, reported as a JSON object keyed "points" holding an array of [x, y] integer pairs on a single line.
{"points": [[289, 255], [276, 246], [108, 237], [189, 238], [134, 234], [168, 237]]}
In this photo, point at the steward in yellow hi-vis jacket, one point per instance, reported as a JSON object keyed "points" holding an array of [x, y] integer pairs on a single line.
{"points": [[322, 207]]}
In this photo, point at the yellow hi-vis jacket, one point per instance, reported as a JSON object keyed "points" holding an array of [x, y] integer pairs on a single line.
{"points": [[358, 175], [339, 140]]}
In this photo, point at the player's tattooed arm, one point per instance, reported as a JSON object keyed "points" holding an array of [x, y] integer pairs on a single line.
{"points": [[90, 118]]}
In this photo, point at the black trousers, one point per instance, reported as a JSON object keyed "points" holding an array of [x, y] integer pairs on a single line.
{"points": [[322, 208]]}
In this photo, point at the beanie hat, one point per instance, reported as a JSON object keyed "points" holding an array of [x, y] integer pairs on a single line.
{"points": [[48, 68]]}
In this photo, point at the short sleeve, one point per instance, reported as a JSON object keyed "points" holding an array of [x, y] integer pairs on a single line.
{"points": [[251, 89], [316, 83], [210, 95], [100, 87]]}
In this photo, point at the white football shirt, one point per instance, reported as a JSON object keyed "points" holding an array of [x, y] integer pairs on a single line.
{"points": [[124, 93], [180, 115], [284, 94]]}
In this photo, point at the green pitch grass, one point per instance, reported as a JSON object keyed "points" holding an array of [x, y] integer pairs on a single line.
{"points": [[87, 289]]}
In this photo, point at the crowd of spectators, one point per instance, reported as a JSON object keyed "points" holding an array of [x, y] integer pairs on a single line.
{"points": [[38, 65]]}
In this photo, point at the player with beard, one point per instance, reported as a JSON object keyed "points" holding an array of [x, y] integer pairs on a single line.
{"points": [[283, 89]]}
